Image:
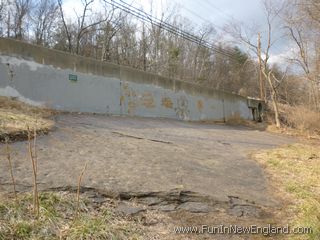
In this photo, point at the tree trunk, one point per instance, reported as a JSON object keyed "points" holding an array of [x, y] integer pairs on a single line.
{"points": [[276, 109], [274, 99]]}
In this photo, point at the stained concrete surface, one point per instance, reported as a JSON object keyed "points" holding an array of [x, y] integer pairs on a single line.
{"points": [[66, 82], [139, 155]]}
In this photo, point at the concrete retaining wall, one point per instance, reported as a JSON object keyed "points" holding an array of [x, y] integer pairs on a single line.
{"points": [[42, 76]]}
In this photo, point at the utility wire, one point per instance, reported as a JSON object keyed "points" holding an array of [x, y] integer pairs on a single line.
{"points": [[197, 39], [200, 17], [138, 13], [220, 12]]}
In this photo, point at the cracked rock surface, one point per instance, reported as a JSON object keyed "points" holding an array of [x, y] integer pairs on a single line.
{"points": [[164, 164]]}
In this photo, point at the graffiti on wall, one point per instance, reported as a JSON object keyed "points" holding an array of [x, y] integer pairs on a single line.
{"points": [[182, 109]]}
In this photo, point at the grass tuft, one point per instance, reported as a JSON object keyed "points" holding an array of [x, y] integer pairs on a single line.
{"points": [[57, 220]]}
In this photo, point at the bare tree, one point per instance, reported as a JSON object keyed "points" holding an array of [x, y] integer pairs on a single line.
{"points": [[109, 28], [21, 11], [205, 33], [65, 26], [83, 25], [7, 19], [3, 3], [144, 48], [263, 52], [44, 17], [303, 25]]}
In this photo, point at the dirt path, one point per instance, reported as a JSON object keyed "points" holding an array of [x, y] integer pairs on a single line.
{"points": [[165, 164]]}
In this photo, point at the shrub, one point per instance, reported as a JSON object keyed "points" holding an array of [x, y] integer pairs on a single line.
{"points": [[302, 119]]}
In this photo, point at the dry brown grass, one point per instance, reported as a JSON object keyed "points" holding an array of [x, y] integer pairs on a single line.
{"points": [[57, 221], [296, 121], [16, 117], [294, 172], [303, 119]]}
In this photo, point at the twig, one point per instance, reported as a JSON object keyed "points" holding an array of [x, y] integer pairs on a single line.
{"points": [[11, 170], [35, 184], [34, 147], [78, 190]]}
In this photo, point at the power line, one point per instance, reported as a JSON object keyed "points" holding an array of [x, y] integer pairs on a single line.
{"points": [[202, 18], [138, 13], [228, 16], [197, 39]]}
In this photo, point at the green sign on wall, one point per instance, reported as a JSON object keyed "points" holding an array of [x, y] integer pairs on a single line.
{"points": [[73, 77]]}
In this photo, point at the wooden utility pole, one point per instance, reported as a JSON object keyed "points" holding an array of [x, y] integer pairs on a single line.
{"points": [[261, 81]]}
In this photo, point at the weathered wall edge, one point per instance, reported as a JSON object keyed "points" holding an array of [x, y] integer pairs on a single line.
{"points": [[76, 63]]}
